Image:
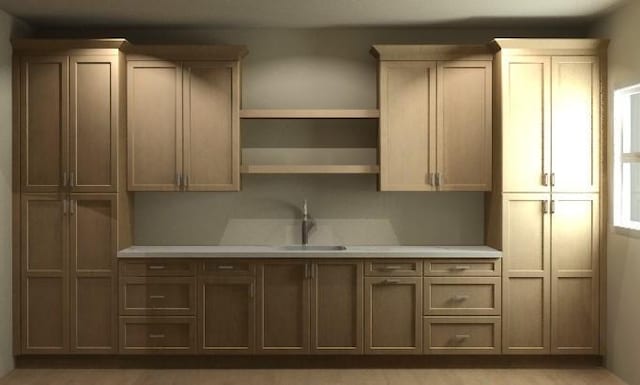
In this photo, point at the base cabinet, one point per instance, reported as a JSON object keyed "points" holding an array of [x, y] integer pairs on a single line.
{"points": [[462, 335]]}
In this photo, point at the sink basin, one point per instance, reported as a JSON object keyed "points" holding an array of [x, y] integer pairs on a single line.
{"points": [[312, 248]]}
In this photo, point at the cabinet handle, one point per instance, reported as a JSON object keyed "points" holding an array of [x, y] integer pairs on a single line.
{"points": [[553, 207], [460, 298], [252, 290], [71, 179], [156, 336], [157, 267], [306, 271], [225, 267], [390, 282], [64, 207], [179, 180], [186, 180], [389, 268], [461, 267], [72, 207], [462, 337], [432, 178], [156, 297], [553, 179], [545, 179], [545, 207], [64, 179], [438, 179], [314, 267]]}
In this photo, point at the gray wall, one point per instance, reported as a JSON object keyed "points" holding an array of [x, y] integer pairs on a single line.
{"points": [[623, 254]]}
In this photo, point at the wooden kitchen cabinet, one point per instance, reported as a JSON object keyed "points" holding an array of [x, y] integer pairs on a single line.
{"points": [[435, 118], [184, 121], [227, 314], [337, 307], [283, 307], [69, 123], [393, 315]]}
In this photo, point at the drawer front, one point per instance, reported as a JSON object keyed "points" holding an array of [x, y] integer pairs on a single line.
{"points": [[157, 335], [462, 268], [229, 268], [157, 268], [462, 296], [462, 335], [393, 268], [157, 296]]}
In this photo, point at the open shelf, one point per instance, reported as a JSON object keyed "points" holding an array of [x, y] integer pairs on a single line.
{"points": [[308, 169], [309, 114]]}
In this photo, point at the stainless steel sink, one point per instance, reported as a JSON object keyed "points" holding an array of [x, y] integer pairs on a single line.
{"points": [[312, 248]]}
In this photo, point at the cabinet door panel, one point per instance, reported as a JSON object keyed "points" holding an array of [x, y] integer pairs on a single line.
{"points": [[45, 320], [44, 233], [527, 273], [576, 123], [94, 123], [211, 126], [227, 315], [575, 284], [526, 123], [407, 125], [393, 318], [337, 302], [464, 125], [44, 122], [283, 308], [154, 116], [93, 260]]}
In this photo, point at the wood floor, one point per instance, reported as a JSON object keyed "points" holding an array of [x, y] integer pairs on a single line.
{"points": [[583, 376]]}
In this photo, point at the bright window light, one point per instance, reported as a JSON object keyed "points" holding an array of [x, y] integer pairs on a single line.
{"points": [[626, 161]]}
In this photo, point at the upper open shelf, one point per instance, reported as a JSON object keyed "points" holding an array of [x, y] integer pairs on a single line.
{"points": [[309, 114]]}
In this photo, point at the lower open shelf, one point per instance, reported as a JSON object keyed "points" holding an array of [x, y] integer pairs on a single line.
{"points": [[308, 169]]}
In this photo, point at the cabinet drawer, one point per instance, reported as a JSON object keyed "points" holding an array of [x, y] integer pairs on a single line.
{"points": [[157, 296], [228, 268], [462, 296], [462, 268], [173, 335], [394, 268], [462, 335], [157, 268]]}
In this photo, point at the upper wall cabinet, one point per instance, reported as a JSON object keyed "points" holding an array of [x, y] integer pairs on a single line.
{"points": [[69, 121], [435, 118], [183, 118]]}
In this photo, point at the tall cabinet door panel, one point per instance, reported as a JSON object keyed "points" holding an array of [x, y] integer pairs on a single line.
{"points": [[44, 274], [407, 125], [576, 124], [575, 283], [283, 308], [526, 124], [336, 308], [154, 116], [393, 315], [464, 125], [93, 290], [526, 274], [44, 122], [227, 315], [93, 126], [211, 126]]}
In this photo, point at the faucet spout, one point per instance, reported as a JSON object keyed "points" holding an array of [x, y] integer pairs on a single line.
{"points": [[307, 223]]}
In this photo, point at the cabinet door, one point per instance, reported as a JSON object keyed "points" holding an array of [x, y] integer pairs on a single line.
{"points": [[464, 126], [92, 259], [575, 284], [211, 126], [407, 126], [154, 116], [393, 315], [44, 107], [93, 124], [576, 124], [526, 106], [45, 302], [336, 308], [526, 277], [227, 315], [283, 308]]}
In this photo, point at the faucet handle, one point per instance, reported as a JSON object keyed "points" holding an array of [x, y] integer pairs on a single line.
{"points": [[305, 210]]}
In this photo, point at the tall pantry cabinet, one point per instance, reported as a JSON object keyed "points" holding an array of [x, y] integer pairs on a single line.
{"points": [[71, 205], [544, 210]]}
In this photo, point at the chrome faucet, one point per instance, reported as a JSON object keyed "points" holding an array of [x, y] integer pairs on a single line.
{"points": [[307, 223]]}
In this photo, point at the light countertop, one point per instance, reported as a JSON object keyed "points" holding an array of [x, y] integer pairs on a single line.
{"points": [[281, 252]]}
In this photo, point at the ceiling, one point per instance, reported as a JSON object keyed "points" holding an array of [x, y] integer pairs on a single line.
{"points": [[303, 13]]}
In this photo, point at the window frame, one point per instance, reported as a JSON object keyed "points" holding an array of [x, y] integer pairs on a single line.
{"points": [[623, 158]]}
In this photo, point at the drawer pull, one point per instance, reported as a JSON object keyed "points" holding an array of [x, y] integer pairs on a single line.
{"points": [[462, 337], [157, 267], [461, 267], [225, 267], [389, 268], [156, 336], [156, 297], [390, 282], [460, 298]]}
